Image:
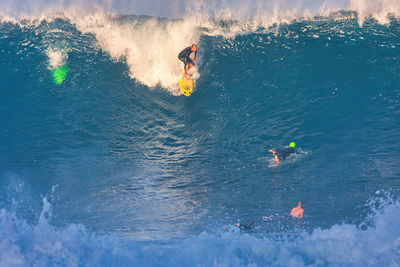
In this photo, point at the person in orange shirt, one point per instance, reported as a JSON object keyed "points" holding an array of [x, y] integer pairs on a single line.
{"points": [[298, 211]]}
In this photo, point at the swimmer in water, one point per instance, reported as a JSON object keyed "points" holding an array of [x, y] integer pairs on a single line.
{"points": [[298, 211], [244, 226], [283, 154]]}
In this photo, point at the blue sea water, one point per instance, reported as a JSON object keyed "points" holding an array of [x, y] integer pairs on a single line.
{"points": [[114, 167]]}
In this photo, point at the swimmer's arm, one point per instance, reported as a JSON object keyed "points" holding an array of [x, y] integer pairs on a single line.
{"points": [[273, 151], [301, 214], [276, 158]]}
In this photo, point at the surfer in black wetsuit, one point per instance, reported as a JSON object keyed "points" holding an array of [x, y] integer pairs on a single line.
{"points": [[245, 226], [281, 155], [184, 56]]}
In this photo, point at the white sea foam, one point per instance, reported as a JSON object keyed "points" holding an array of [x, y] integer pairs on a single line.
{"points": [[271, 10], [41, 244], [150, 46], [56, 56]]}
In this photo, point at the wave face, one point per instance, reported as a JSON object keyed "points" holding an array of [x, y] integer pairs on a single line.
{"points": [[104, 162]]}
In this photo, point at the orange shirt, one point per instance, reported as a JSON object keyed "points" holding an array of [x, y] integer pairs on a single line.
{"points": [[297, 212]]}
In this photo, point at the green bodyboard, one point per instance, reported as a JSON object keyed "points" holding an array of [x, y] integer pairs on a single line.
{"points": [[60, 73]]}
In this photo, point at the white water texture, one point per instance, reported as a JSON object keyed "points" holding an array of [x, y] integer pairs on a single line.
{"points": [[150, 46], [378, 9], [41, 244]]}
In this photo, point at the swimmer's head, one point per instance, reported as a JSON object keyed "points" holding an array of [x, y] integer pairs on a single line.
{"points": [[292, 144], [300, 204], [194, 47]]}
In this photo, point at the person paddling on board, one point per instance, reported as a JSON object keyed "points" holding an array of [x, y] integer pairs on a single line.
{"points": [[298, 211], [184, 56], [281, 155]]}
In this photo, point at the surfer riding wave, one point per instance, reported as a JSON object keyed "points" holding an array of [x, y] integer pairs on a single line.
{"points": [[184, 56]]}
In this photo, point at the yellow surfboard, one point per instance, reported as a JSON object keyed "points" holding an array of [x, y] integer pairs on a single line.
{"points": [[186, 86]]}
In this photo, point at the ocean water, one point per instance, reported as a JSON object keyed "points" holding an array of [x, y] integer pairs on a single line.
{"points": [[110, 165]]}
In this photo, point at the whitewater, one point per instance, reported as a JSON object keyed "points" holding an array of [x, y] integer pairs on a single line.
{"points": [[103, 162]]}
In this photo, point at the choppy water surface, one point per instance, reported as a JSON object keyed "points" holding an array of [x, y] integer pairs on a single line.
{"points": [[114, 166]]}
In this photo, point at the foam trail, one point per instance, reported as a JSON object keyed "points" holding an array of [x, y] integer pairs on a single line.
{"points": [[56, 56]]}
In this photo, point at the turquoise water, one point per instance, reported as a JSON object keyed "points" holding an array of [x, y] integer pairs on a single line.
{"points": [[114, 167]]}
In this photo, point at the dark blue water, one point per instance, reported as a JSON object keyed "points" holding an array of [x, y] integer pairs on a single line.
{"points": [[104, 169]]}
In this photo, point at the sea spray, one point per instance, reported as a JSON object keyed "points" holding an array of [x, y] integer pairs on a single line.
{"points": [[44, 244]]}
